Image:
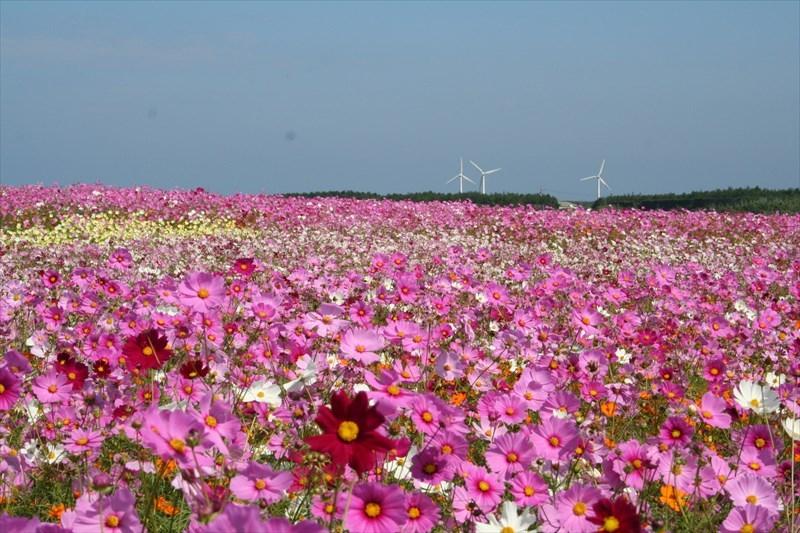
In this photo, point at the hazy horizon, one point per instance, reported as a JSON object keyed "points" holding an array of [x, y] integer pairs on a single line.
{"points": [[385, 97]]}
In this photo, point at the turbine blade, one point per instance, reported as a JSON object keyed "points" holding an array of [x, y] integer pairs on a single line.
{"points": [[493, 171], [602, 166], [606, 184], [452, 179], [474, 164], [588, 178], [469, 180]]}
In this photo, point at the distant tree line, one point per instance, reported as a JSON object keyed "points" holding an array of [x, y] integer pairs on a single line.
{"points": [[753, 199], [499, 199]]}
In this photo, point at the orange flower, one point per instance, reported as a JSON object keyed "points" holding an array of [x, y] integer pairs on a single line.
{"points": [[608, 408], [458, 398], [56, 511], [164, 506], [672, 497]]}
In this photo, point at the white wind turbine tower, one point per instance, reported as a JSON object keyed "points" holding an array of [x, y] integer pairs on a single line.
{"points": [[460, 177], [484, 173], [599, 178]]}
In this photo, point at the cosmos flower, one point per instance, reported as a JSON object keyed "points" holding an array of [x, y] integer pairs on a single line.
{"points": [[676, 432], [748, 519], [754, 490], [113, 514], [52, 387], [361, 345], [202, 292], [422, 514], [9, 389], [555, 439], [509, 454], [712, 411], [263, 391], [571, 510], [511, 519], [528, 488], [148, 350], [376, 508], [619, 515], [260, 482], [350, 433], [752, 396]]}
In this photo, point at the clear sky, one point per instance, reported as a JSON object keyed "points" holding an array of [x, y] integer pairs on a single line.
{"points": [[277, 97]]}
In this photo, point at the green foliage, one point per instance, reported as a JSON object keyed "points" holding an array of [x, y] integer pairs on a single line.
{"points": [[499, 199], [754, 200]]}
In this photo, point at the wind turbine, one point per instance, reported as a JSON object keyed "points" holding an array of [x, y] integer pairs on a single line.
{"points": [[460, 177], [599, 178], [484, 173]]}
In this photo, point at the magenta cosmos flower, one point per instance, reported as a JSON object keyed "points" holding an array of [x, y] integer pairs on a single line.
{"points": [[423, 514], [202, 292], [528, 488], [555, 439], [52, 387], [376, 508], [9, 389], [753, 490], [510, 453], [571, 509], [361, 345], [676, 432], [171, 435], [485, 489], [260, 482], [114, 514]]}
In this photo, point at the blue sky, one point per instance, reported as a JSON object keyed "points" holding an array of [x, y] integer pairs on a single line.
{"points": [[277, 97]]}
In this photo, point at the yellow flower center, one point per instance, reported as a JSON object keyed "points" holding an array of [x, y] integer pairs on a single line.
{"points": [[579, 509], [211, 421], [760, 443], [360, 349], [447, 449], [177, 444], [112, 520], [747, 528], [329, 508], [754, 403], [708, 414], [753, 499], [511, 457], [610, 524], [394, 390], [348, 432], [507, 529], [260, 484], [675, 433], [427, 416], [82, 441], [202, 293], [413, 512], [637, 463], [148, 351], [554, 441], [754, 466], [372, 509], [484, 486], [2, 388], [430, 468], [52, 388], [529, 491], [509, 410], [72, 376]]}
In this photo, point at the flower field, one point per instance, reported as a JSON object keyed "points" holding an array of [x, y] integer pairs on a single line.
{"points": [[175, 361]]}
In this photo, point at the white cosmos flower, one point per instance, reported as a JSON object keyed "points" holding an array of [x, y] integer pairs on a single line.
{"points": [[622, 356], [509, 520], [305, 376], [792, 427], [775, 380], [753, 396], [263, 392]]}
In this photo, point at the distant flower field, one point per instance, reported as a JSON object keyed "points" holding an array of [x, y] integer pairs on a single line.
{"points": [[175, 361]]}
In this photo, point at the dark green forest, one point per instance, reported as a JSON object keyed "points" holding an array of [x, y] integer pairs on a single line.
{"points": [[753, 199]]}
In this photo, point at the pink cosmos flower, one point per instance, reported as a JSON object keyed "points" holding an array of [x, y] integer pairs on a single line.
{"points": [[81, 441], [173, 434], [52, 387], [376, 508], [528, 488], [509, 454], [485, 489], [754, 490], [202, 292], [570, 511], [555, 439], [9, 389], [113, 514], [712, 411], [633, 464], [751, 518], [676, 432], [260, 482], [361, 345], [423, 514], [53, 317]]}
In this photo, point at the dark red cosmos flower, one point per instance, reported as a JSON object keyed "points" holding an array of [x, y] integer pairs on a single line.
{"points": [[350, 435], [102, 367], [146, 350], [245, 266], [76, 373], [618, 516], [193, 369]]}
